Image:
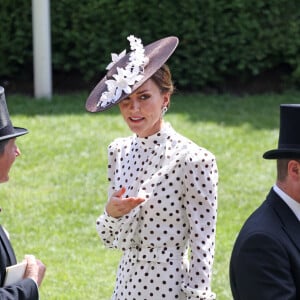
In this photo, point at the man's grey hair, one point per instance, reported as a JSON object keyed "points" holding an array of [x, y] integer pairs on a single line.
{"points": [[2, 146]]}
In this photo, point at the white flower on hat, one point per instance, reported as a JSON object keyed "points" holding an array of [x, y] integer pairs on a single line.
{"points": [[126, 77], [115, 58]]}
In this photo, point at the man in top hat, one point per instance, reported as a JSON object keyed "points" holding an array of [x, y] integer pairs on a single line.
{"points": [[26, 288], [265, 262]]}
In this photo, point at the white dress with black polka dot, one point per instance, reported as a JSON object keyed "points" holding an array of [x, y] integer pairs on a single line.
{"points": [[168, 241]]}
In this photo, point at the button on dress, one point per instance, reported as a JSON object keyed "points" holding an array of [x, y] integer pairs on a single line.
{"points": [[168, 241]]}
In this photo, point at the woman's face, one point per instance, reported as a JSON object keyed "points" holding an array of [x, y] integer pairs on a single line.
{"points": [[11, 151], [142, 110]]}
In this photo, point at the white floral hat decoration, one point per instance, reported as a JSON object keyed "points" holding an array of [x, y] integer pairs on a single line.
{"points": [[127, 72]]}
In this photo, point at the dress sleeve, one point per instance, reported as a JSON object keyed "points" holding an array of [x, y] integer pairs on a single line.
{"points": [[107, 226], [201, 181], [119, 233]]}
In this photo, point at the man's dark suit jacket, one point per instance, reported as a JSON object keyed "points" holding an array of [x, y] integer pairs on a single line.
{"points": [[265, 262], [26, 289]]}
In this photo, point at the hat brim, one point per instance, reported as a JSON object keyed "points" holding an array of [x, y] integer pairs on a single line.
{"points": [[158, 53], [282, 153], [18, 131]]}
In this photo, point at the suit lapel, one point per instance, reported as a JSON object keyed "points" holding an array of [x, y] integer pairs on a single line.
{"points": [[7, 247], [290, 223]]}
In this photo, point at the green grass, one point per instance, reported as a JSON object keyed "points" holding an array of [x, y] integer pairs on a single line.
{"points": [[58, 185]]}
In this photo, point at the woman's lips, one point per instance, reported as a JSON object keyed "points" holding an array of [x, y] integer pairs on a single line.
{"points": [[136, 119]]}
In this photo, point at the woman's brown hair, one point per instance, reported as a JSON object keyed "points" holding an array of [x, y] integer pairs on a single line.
{"points": [[163, 79]]}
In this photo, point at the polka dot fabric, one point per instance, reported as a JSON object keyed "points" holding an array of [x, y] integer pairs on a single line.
{"points": [[168, 241]]}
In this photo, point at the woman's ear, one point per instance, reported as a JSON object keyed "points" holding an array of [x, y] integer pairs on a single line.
{"points": [[166, 99]]}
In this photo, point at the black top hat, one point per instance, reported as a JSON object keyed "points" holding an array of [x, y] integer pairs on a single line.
{"points": [[7, 131], [128, 72], [289, 136]]}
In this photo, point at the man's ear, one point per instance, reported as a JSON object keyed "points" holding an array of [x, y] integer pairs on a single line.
{"points": [[294, 168]]}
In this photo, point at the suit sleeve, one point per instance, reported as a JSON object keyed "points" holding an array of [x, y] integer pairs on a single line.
{"points": [[261, 269], [26, 289]]}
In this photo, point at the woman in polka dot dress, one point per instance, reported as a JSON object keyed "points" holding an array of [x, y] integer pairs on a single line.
{"points": [[162, 205]]}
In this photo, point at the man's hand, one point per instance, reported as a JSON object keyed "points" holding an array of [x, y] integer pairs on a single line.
{"points": [[35, 269]]}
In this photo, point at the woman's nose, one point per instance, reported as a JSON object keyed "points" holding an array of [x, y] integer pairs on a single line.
{"points": [[134, 104]]}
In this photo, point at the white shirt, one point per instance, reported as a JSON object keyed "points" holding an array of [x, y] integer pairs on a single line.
{"points": [[290, 202]]}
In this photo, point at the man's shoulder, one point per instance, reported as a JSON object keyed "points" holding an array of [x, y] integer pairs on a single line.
{"points": [[263, 220]]}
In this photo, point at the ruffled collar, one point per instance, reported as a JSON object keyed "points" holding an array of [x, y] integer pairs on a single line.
{"points": [[155, 140]]}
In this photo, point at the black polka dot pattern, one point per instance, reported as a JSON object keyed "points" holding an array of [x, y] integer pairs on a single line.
{"points": [[169, 240]]}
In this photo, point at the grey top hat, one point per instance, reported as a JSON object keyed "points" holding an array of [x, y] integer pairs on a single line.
{"points": [[289, 137], [7, 130]]}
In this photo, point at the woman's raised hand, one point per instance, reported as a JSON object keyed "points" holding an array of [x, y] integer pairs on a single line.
{"points": [[117, 206]]}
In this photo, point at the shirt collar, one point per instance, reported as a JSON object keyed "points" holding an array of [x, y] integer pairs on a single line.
{"points": [[290, 202]]}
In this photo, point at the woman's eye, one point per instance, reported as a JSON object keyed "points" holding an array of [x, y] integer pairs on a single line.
{"points": [[144, 97], [125, 101]]}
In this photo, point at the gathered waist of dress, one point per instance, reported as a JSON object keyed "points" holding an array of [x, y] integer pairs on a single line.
{"points": [[159, 254]]}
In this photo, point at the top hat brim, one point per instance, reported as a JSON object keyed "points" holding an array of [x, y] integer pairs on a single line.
{"points": [[157, 52], [289, 138], [282, 154], [18, 131]]}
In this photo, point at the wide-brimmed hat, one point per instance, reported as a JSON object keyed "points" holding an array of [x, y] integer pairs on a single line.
{"points": [[127, 72], [289, 134], [7, 130]]}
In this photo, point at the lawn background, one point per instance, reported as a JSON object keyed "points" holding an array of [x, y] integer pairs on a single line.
{"points": [[58, 185]]}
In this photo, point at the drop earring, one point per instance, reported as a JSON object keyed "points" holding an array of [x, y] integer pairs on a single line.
{"points": [[164, 110]]}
